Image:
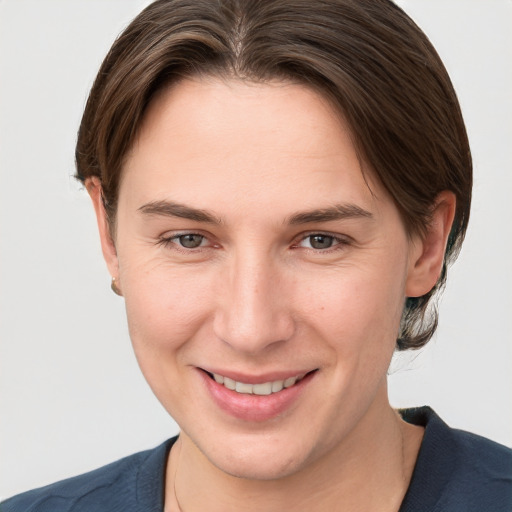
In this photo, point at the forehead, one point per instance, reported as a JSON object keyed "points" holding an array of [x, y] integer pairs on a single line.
{"points": [[268, 144]]}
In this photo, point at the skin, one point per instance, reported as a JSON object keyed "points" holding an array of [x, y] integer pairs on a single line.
{"points": [[258, 295]]}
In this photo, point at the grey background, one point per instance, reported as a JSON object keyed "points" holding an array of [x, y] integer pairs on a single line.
{"points": [[71, 395]]}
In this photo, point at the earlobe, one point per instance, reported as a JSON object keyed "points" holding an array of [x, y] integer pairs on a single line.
{"points": [[93, 186], [427, 253]]}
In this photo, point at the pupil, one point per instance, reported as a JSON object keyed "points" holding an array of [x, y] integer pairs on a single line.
{"points": [[191, 241], [321, 241]]}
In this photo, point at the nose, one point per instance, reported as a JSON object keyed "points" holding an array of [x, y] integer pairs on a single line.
{"points": [[253, 310]]}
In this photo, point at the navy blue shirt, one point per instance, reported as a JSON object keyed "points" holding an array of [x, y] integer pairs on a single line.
{"points": [[455, 472]]}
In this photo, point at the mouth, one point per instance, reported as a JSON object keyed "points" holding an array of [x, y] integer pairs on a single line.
{"points": [[263, 398], [262, 388]]}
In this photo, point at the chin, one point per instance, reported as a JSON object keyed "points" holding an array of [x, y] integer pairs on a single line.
{"points": [[260, 461], [264, 470]]}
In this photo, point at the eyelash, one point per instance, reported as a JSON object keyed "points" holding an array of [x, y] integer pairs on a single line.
{"points": [[171, 242], [339, 242]]}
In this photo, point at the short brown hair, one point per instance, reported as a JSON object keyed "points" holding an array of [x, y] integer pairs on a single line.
{"points": [[367, 56]]}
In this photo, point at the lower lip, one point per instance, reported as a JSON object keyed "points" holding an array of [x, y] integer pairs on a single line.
{"points": [[255, 408]]}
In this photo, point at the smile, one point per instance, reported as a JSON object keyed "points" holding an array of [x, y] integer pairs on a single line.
{"points": [[262, 398], [264, 388]]}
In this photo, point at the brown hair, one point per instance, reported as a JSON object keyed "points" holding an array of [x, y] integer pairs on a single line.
{"points": [[367, 56]]}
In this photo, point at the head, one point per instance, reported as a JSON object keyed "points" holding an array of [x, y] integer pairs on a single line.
{"points": [[235, 116], [374, 65]]}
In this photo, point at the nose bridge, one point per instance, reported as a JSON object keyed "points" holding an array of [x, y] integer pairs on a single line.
{"points": [[253, 312]]}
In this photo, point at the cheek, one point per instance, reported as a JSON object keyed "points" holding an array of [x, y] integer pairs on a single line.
{"points": [[165, 310], [165, 307], [358, 311]]}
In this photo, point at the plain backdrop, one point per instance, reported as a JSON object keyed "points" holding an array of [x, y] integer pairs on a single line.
{"points": [[71, 395]]}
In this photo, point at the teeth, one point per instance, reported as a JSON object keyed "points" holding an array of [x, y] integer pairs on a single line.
{"points": [[243, 388], [265, 388], [277, 386], [290, 381], [229, 383], [262, 389]]}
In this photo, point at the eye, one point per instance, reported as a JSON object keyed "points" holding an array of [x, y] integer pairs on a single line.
{"points": [[323, 242], [184, 241], [190, 240], [320, 241]]}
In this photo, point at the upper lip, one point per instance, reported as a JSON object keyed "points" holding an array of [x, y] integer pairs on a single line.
{"points": [[257, 378]]}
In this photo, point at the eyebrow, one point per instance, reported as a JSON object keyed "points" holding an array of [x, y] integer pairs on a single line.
{"points": [[172, 209], [336, 212]]}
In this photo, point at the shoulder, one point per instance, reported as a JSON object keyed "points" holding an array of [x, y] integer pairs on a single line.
{"points": [[483, 473], [457, 470], [483, 456], [127, 484]]}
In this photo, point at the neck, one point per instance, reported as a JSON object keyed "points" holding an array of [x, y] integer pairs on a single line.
{"points": [[370, 470]]}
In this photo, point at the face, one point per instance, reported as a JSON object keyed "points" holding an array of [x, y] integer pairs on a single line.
{"points": [[252, 253]]}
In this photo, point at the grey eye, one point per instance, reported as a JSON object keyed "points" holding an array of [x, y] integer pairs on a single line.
{"points": [[190, 241], [321, 241]]}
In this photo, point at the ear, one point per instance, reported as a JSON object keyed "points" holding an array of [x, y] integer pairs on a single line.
{"points": [[93, 186], [427, 254]]}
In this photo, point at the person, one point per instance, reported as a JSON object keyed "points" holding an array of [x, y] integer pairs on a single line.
{"points": [[279, 188]]}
